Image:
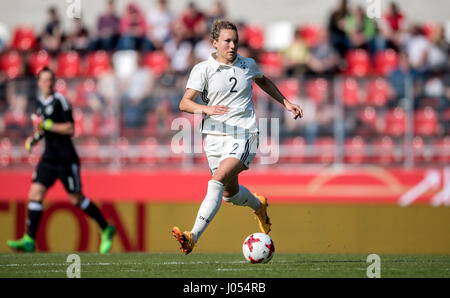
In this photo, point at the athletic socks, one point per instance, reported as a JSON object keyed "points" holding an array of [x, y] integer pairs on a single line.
{"points": [[208, 208], [244, 198], [34, 217], [92, 210]]}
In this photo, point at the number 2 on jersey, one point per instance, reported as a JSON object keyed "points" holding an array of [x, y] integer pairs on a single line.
{"points": [[234, 84]]}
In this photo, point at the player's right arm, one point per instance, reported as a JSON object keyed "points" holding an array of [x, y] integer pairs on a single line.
{"points": [[189, 105]]}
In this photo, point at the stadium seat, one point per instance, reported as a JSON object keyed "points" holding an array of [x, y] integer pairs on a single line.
{"points": [[90, 151], [254, 36], [271, 64], [350, 92], [441, 150], [148, 150], [157, 61], [61, 87], [92, 124], [68, 65], [24, 38], [383, 150], [369, 117], [124, 149], [317, 90], [325, 150], [11, 64], [358, 63], [395, 122], [295, 150], [97, 63], [355, 150], [82, 90], [6, 150], [377, 92], [425, 122], [420, 151], [78, 118], [385, 61], [39, 60], [311, 34], [290, 88]]}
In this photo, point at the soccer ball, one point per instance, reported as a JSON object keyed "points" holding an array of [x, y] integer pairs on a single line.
{"points": [[258, 248]]}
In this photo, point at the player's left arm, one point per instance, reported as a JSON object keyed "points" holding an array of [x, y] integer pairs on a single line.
{"points": [[270, 88]]}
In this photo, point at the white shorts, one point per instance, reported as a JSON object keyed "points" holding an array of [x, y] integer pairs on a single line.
{"points": [[218, 148]]}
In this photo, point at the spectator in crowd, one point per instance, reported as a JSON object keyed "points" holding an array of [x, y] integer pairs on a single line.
{"points": [[136, 91], [159, 22], [15, 117], [78, 37], [107, 29], [194, 21], [203, 49], [417, 47], [179, 49], [133, 30], [337, 30], [395, 18], [52, 37], [360, 28], [324, 60], [296, 56], [216, 12], [439, 47], [398, 80]]}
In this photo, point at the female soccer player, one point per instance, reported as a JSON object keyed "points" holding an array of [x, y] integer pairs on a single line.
{"points": [[54, 123], [225, 84]]}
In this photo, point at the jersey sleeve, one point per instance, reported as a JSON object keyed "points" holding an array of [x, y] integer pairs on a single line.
{"points": [[66, 115], [197, 78], [254, 70]]}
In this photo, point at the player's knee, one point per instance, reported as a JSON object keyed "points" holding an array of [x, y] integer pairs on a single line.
{"points": [[36, 195]]}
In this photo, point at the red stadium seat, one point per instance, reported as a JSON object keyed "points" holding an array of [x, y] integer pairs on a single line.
{"points": [[358, 63], [311, 34], [124, 149], [325, 150], [368, 116], [39, 60], [78, 118], [82, 91], [11, 64], [290, 88], [148, 150], [425, 122], [420, 151], [350, 92], [385, 61], [90, 151], [355, 150], [317, 90], [441, 150], [271, 64], [6, 151], [61, 87], [254, 36], [69, 65], [97, 63], [295, 150], [377, 92], [395, 122], [383, 150], [157, 61], [24, 38]]}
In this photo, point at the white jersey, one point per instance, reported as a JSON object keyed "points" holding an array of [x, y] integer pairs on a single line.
{"points": [[229, 85]]}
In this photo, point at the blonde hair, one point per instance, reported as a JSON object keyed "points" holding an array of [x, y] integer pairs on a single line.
{"points": [[221, 25]]}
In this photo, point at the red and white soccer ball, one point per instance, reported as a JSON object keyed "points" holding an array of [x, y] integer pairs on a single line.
{"points": [[258, 248]]}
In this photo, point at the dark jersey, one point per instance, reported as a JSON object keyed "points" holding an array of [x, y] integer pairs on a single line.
{"points": [[58, 148]]}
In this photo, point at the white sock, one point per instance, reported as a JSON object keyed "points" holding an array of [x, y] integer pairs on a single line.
{"points": [[208, 208], [244, 198]]}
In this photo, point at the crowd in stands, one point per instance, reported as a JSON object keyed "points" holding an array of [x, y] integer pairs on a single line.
{"points": [[126, 76]]}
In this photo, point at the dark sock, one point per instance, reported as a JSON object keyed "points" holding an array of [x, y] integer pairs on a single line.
{"points": [[92, 210], [34, 217]]}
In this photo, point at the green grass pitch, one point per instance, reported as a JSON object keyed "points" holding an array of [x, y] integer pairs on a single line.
{"points": [[230, 265]]}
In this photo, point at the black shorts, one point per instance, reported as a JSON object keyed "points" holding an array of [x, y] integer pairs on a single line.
{"points": [[68, 173]]}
